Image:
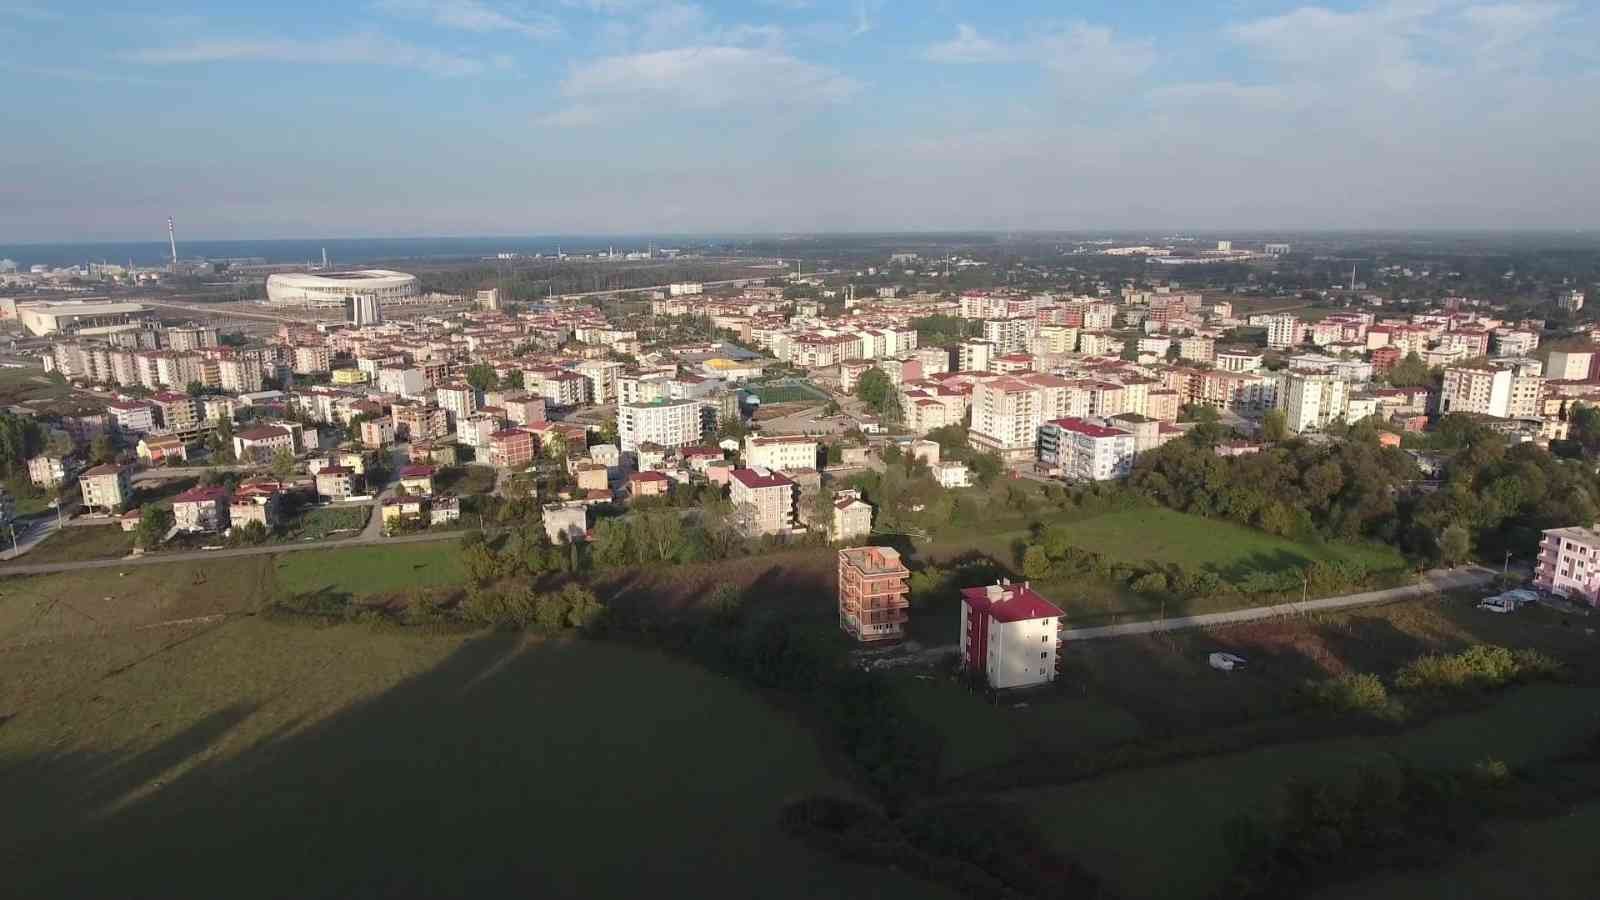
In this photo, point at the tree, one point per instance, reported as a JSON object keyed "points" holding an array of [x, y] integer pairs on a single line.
{"points": [[102, 450], [1411, 372], [153, 526], [555, 446], [1275, 426], [222, 439], [482, 377], [875, 388], [283, 464], [1454, 545], [196, 389]]}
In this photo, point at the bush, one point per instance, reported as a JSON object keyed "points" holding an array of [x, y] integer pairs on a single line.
{"points": [[1352, 694], [1481, 667]]}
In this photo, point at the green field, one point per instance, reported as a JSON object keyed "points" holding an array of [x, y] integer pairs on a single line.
{"points": [[1554, 859], [1157, 833], [319, 524], [363, 571], [79, 542], [979, 733], [460, 481], [1157, 535], [263, 759]]}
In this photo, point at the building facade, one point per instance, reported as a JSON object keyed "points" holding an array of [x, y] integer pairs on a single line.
{"points": [[874, 597]]}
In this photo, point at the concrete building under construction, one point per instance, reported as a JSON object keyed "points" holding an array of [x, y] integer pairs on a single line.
{"points": [[873, 593]]}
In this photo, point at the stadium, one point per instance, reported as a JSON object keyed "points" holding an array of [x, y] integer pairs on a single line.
{"points": [[329, 289]]}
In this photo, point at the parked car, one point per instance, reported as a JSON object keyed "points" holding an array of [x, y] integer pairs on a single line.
{"points": [[1227, 662], [1497, 605]]}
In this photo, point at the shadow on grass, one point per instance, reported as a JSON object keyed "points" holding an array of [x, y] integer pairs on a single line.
{"points": [[504, 770]]}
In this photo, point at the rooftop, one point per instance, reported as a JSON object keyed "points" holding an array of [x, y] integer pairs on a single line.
{"points": [[1007, 602], [874, 560], [760, 478]]}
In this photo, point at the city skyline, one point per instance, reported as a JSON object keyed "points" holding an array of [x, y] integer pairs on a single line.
{"points": [[470, 118]]}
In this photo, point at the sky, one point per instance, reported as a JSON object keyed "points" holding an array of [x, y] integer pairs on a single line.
{"points": [[518, 117]]}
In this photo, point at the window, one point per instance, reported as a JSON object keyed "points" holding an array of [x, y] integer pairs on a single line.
{"points": [[1044, 654]]}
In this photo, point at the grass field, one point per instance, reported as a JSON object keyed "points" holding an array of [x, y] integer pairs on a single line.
{"points": [[284, 760], [318, 524], [78, 542], [1157, 833], [363, 571], [980, 734], [461, 481], [1554, 859]]}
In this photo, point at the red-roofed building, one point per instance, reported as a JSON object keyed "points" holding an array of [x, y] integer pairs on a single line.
{"points": [[763, 501], [1085, 451], [201, 509], [648, 484], [417, 479], [1009, 635]]}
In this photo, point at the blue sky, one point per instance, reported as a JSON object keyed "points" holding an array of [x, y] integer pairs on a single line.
{"points": [[469, 117]]}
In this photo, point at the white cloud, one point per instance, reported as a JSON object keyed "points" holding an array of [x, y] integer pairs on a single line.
{"points": [[364, 48], [1085, 58], [469, 15], [616, 88], [968, 46], [75, 73]]}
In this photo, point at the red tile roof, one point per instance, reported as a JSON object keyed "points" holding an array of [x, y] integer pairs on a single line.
{"points": [[1017, 603], [752, 478]]}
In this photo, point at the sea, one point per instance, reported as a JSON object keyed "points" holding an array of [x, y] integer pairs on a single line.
{"points": [[341, 251]]}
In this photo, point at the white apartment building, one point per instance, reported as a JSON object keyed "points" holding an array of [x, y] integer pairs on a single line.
{"points": [[1006, 414], [975, 356], [669, 423], [603, 376], [1198, 348], [1284, 331], [1009, 635], [311, 360], [780, 453], [1517, 342], [1569, 365], [106, 487], [1010, 335], [240, 374], [1238, 360], [1313, 400], [1085, 451], [1569, 564], [1473, 390], [405, 382], [459, 400]]}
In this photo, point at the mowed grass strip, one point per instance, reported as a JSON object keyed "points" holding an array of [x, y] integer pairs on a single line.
{"points": [[1158, 832], [362, 571], [387, 763]]}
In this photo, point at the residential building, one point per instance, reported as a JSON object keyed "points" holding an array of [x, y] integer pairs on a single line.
{"points": [[763, 501], [1009, 635], [592, 476], [419, 422], [202, 509], [179, 412], [1570, 365], [458, 399], [45, 470], [669, 423], [133, 417], [338, 482], [159, 449], [261, 443], [524, 409], [952, 474], [1006, 413], [874, 595], [1085, 451], [377, 432], [648, 484], [106, 487], [1569, 564], [1313, 400], [1570, 301], [417, 479], [1486, 391], [310, 360], [780, 452], [852, 516], [1238, 360], [1198, 348], [510, 448], [1284, 331]]}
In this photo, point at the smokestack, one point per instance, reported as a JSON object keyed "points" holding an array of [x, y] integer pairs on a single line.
{"points": [[324, 257], [172, 238]]}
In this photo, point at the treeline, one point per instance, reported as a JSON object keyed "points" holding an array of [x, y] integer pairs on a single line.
{"points": [[1499, 497], [20, 439], [944, 331], [1431, 682]]}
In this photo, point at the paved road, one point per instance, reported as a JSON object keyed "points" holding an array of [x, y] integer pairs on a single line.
{"points": [[1432, 582], [157, 559]]}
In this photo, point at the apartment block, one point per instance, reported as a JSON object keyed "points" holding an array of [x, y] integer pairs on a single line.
{"points": [[873, 593], [1086, 451], [106, 487], [1569, 564], [669, 423], [780, 452], [1009, 635], [763, 501]]}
